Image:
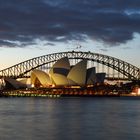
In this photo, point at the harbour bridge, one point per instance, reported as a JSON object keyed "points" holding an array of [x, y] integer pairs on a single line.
{"points": [[114, 68]]}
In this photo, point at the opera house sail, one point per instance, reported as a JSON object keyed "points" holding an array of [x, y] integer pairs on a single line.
{"points": [[78, 73], [40, 78]]}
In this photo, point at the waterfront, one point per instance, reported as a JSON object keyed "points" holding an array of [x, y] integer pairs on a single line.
{"points": [[70, 118]]}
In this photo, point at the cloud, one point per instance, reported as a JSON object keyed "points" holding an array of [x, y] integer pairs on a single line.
{"points": [[109, 21], [5, 43], [104, 50], [50, 44]]}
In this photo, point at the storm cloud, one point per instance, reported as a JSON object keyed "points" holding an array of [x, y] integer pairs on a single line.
{"points": [[109, 21]]}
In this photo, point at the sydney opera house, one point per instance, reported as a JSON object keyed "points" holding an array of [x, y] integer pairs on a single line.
{"points": [[62, 74]]}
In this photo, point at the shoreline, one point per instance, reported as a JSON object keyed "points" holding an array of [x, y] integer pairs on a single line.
{"points": [[56, 93]]}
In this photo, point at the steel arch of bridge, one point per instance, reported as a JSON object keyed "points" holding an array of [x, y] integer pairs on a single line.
{"points": [[20, 70]]}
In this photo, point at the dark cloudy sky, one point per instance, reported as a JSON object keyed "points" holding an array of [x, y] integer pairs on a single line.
{"points": [[38, 25]]}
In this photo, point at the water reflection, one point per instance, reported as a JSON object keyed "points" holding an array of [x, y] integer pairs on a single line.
{"points": [[69, 118]]}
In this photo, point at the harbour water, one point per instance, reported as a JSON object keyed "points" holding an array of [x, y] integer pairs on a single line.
{"points": [[70, 118]]}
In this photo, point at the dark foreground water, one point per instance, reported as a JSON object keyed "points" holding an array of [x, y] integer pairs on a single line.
{"points": [[71, 118]]}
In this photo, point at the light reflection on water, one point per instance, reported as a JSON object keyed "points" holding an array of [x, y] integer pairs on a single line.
{"points": [[70, 118]]}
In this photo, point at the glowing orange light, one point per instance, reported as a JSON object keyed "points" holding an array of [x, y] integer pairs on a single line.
{"points": [[138, 91], [53, 85]]}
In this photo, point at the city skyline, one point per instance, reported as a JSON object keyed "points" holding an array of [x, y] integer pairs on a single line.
{"points": [[33, 28]]}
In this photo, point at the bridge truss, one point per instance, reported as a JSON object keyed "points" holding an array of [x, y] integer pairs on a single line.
{"points": [[114, 68]]}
